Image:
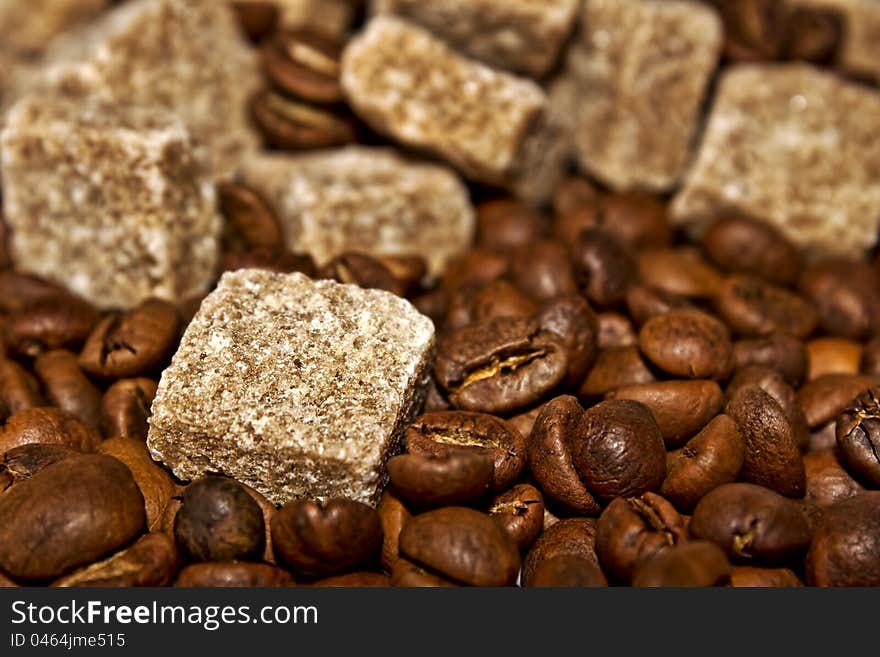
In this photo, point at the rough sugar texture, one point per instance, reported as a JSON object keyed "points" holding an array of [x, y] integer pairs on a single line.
{"points": [[411, 86], [524, 36], [298, 388], [794, 146], [366, 199], [107, 200], [633, 85], [26, 26], [189, 57]]}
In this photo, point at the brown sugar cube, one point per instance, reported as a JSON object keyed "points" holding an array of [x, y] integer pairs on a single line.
{"points": [[634, 81], [523, 36], [491, 125], [297, 388], [26, 26], [108, 200], [366, 199], [794, 146]]}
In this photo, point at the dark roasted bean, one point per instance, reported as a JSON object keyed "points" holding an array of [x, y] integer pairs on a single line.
{"points": [[567, 570], [746, 246], [150, 561], [453, 477], [755, 308], [697, 563], [570, 536], [858, 437], [233, 574], [846, 543], [125, 408], [520, 512], [688, 343], [67, 387], [603, 267]]}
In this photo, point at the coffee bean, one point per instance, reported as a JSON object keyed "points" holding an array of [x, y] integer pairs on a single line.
{"points": [[698, 563], [615, 368], [752, 523], [268, 510], [251, 222], [150, 561], [870, 362], [632, 530], [751, 576], [858, 437], [410, 270], [62, 321], [47, 425], [392, 514], [219, 521], [755, 308], [711, 458], [746, 246], [845, 296], [520, 512], [543, 270], [782, 353], [444, 431], [125, 408], [320, 539], [824, 437], [681, 408], [753, 29], [292, 125], [68, 515], [432, 303], [18, 291], [499, 366], [827, 481], [303, 64], [680, 271], [568, 537], [358, 580], [603, 267], [573, 193], [500, 298], [550, 461], [814, 34], [504, 224], [233, 574], [644, 302], [463, 545], [67, 387], [618, 449], [571, 318], [278, 260], [429, 480], [408, 574], [823, 399], [638, 220], [132, 343], [688, 343], [363, 270], [571, 223], [475, 267], [772, 457], [568, 570], [615, 330], [845, 544], [257, 19], [22, 462], [19, 390], [833, 356]]}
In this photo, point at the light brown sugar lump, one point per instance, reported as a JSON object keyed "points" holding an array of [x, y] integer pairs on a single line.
{"points": [[411, 86], [634, 82], [794, 146], [366, 199], [108, 200], [295, 387], [26, 26], [523, 36]]}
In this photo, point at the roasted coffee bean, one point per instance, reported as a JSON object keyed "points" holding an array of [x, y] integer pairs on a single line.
{"points": [[62, 321], [268, 509], [520, 512], [17, 291], [753, 307], [752, 523], [125, 408], [233, 574], [429, 480], [19, 390], [463, 545], [571, 318], [132, 343], [22, 462], [542, 270], [638, 220], [688, 343], [751, 577], [615, 330], [747, 246], [824, 437], [644, 302], [150, 561], [475, 267], [845, 296], [845, 544], [772, 457], [711, 458], [500, 366], [500, 298], [359, 579], [432, 303], [67, 387], [681, 408], [782, 353], [680, 271], [47, 425], [753, 28], [292, 125], [461, 307], [697, 563], [153, 480], [363, 270], [772, 382], [434, 399], [392, 514], [250, 219], [408, 574], [68, 515], [604, 268], [823, 399], [632, 530], [303, 64], [813, 34], [568, 225], [827, 481], [320, 539], [568, 570], [833, 356], [870, 362], [615, 368], [219, 521], [566, 537], [410, 270], [257, 19], [618, 449], [550, 461], [504, 224], [440, 432], [573, 193], [278, 260], [858, 437]]}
